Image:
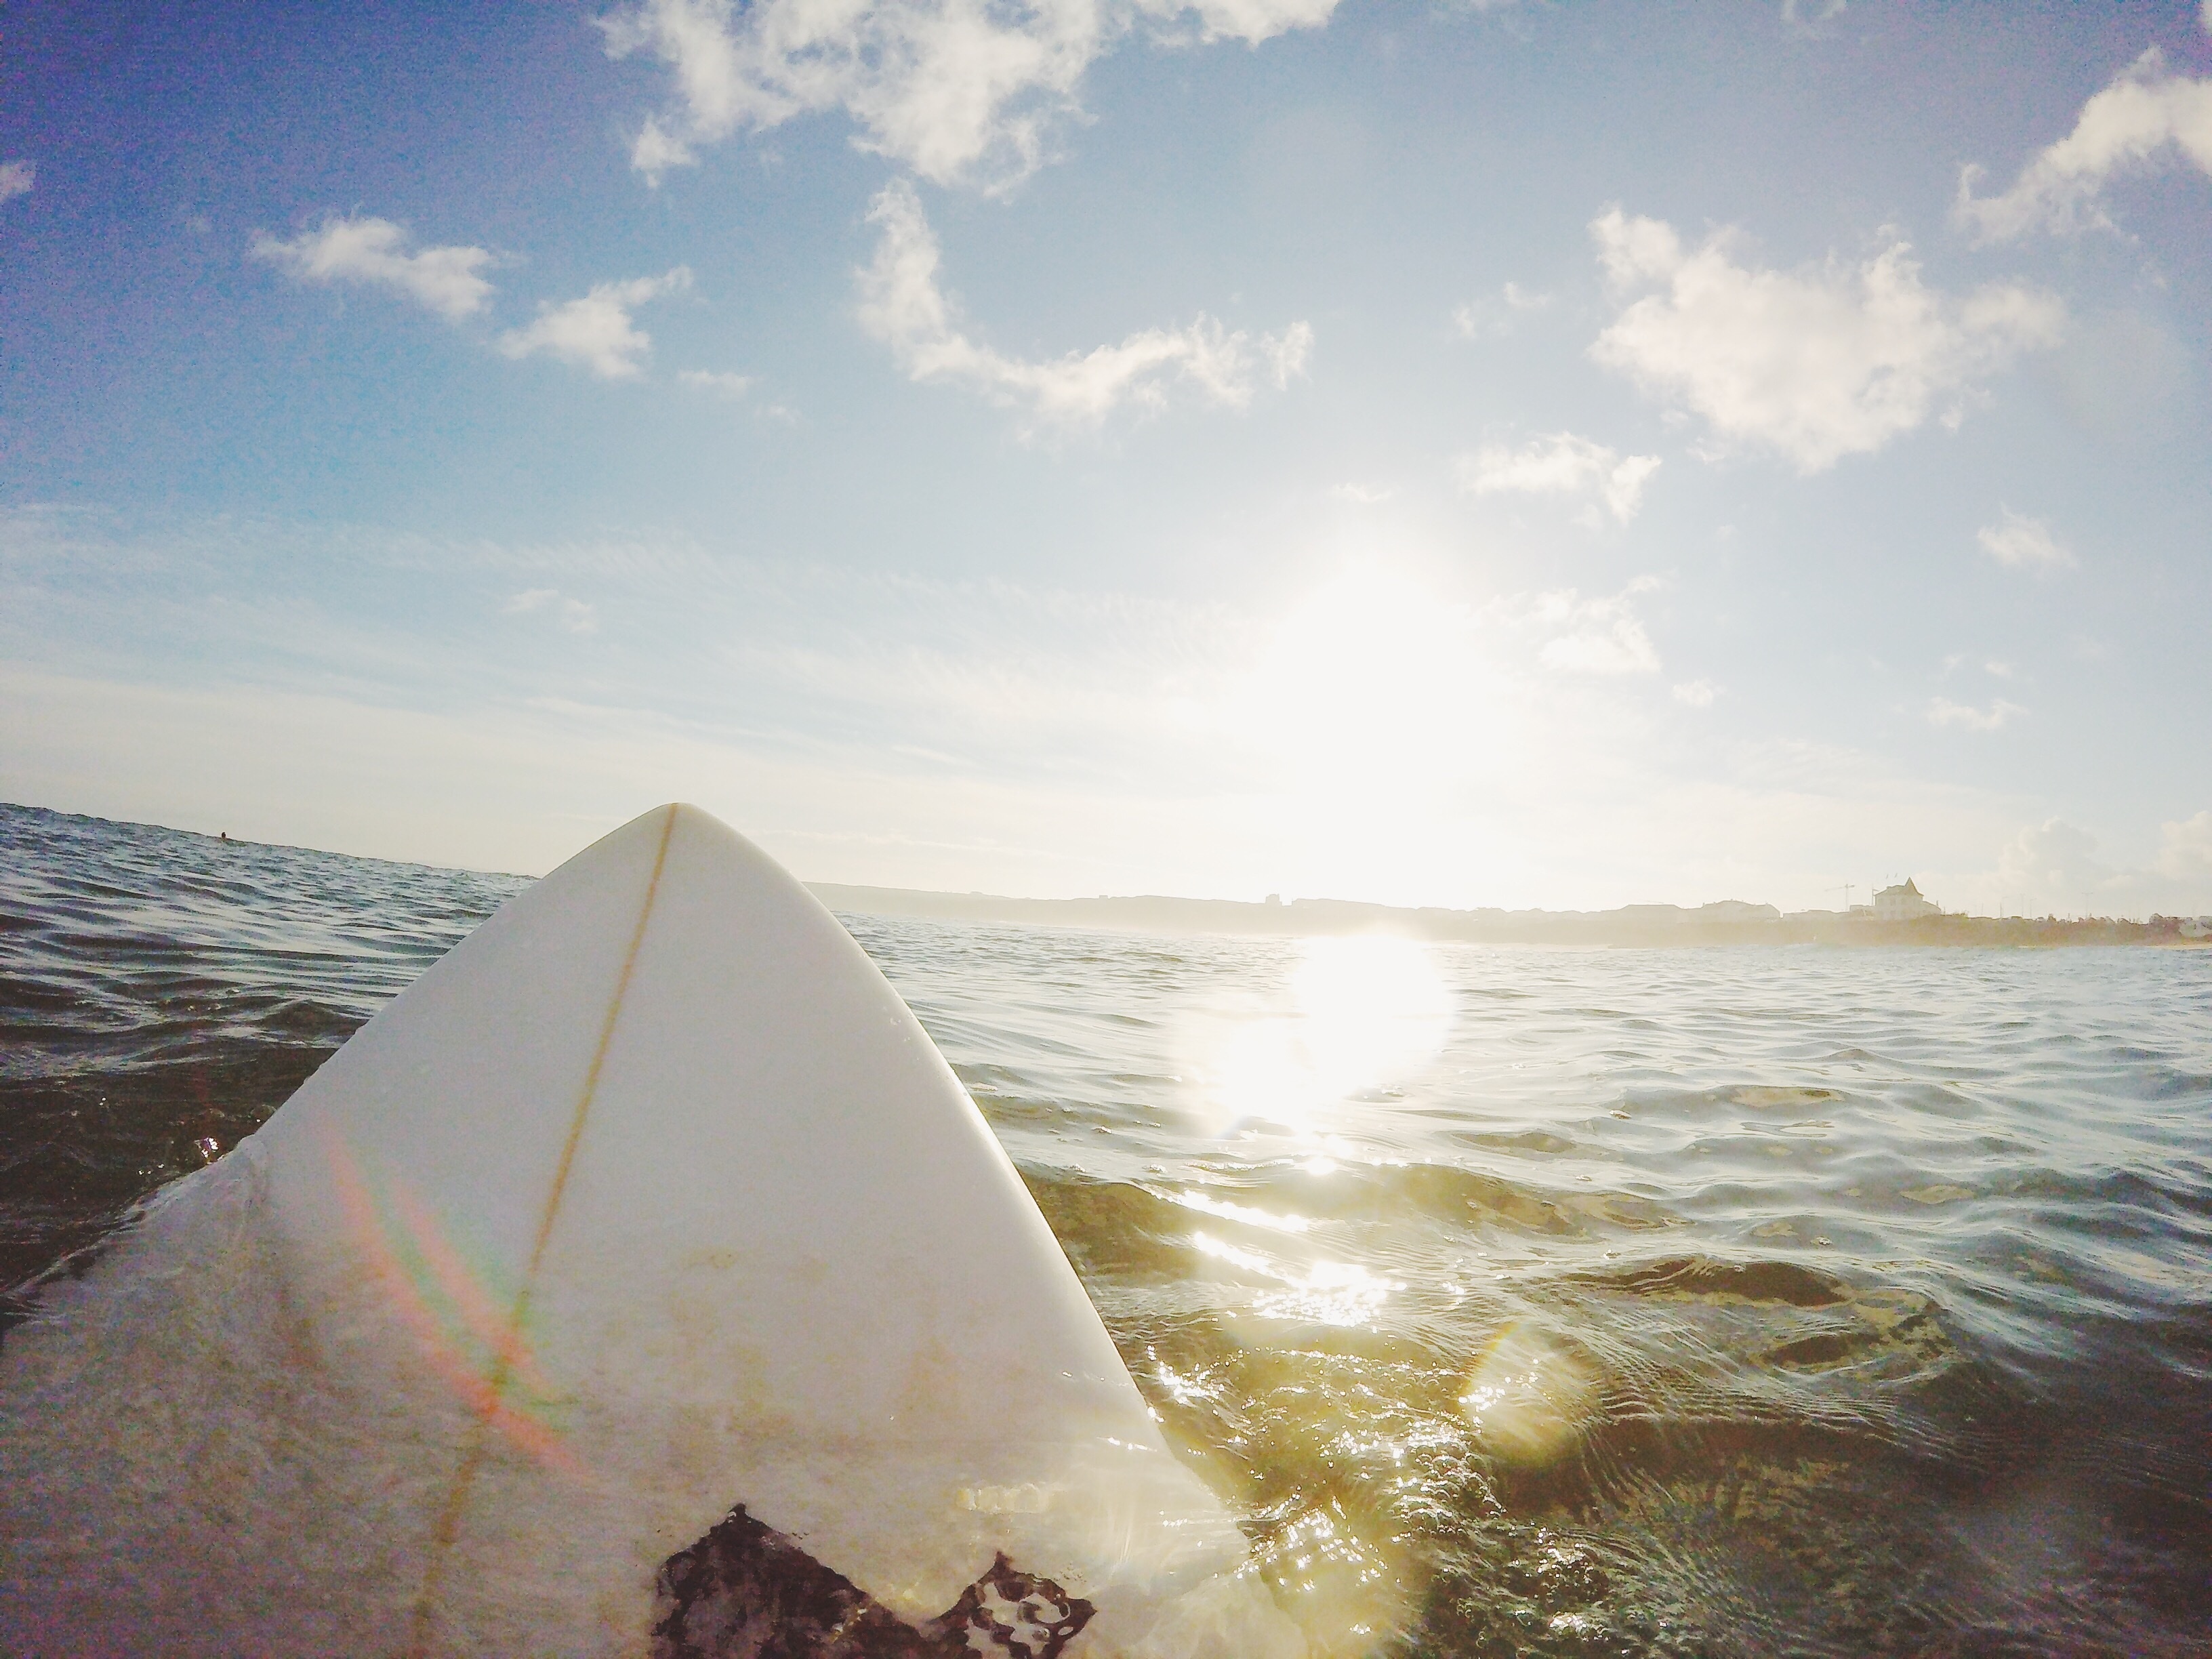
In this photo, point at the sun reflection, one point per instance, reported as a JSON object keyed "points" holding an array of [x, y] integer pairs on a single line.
{"points": [[1238, 1213], [1364, 1013], [1336, 1584], [1329, 1293], [1318, 1292], [1528, 1398]]}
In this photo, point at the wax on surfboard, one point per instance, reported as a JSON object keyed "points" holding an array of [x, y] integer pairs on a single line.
{"points": [[645, 1249]]}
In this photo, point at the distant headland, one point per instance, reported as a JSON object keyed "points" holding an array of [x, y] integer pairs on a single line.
{"points": [[1730, 922]]}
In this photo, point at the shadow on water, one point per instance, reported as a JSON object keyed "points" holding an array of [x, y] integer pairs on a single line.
{"points": [[1692, 1303]]}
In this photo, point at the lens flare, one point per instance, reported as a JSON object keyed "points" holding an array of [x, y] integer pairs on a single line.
{"points": [[473, 1330], [1528, 1398]]}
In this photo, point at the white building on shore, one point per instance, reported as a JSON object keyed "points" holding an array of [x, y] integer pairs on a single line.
{"points": [[1903, 903]]}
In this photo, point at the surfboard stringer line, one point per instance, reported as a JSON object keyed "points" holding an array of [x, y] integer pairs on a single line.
{"points": [[447, 1531]]}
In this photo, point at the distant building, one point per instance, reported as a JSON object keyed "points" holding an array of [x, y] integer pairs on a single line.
{"points": [[1902, 903], [1737, 910]]}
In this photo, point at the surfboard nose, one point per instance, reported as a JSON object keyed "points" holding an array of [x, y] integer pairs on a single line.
{"points": [[650, 1199]]}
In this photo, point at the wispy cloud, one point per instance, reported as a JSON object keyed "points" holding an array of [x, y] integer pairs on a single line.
{"points": [[575, 615], [2185, 845], [374, 253], [2144, 115], [16, 178], [1481, 319], [2019, 543], [1941, 711], [1601, 635], [1827, 361], [722, 384], [952, 88], [1107, 742], [902, 305], [1806, 15], [1696, 694], [2054, 866], [596, 333], [1561, 464]]}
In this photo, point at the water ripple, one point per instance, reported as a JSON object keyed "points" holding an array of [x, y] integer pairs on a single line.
{"points": [[1712, 1302]]}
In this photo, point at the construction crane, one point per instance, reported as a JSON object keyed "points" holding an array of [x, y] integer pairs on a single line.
{"points": [[1845, 890]]}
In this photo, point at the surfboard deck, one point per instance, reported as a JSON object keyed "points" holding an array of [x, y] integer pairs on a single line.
{"points": [[646, 1239]]}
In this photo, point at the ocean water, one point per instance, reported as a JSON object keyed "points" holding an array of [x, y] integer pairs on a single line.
{"points": [[1525, 1301]]}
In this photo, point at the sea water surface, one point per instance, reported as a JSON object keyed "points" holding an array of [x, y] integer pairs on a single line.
{"points": [[1526, 1300]]}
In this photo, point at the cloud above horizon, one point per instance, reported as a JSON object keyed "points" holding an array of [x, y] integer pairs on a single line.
{"points": [[2019, 543], [953, 90], [1830, 360], [595, 332], [1601, 636], [1941, 711], [2144, 114], [722, 383], [902, 305], [16, 178], [573, 615], [2053, 866], [374, 252], [1561, 464], [1486, 318], [907, 729]]}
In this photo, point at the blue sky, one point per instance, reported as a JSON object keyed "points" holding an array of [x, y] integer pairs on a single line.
{"points": [[1456, 453]]}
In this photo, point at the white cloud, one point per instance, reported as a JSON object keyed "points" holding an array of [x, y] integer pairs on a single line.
{"points": [[952, 88], [707, 380], [1561, 465], [575, 615], [2185, 846], [1828, 361], [1794, 13], [1941, 711], [1361, 494], [16, 178], [902, 305], [1480, 318], [1696, 694], [2052, 867], [1600, 636], [2019, 543], [2143, 114], [374, 252], [595, 332], [1109, 742]]}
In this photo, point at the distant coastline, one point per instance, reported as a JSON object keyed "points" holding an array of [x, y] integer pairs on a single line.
{"points": [[1729, 922]]}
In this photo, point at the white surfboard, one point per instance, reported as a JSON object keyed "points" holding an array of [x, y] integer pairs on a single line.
{"points": [[643, 1253]]}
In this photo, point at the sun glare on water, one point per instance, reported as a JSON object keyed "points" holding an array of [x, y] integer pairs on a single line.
{"points": [[1363, 1013]]}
